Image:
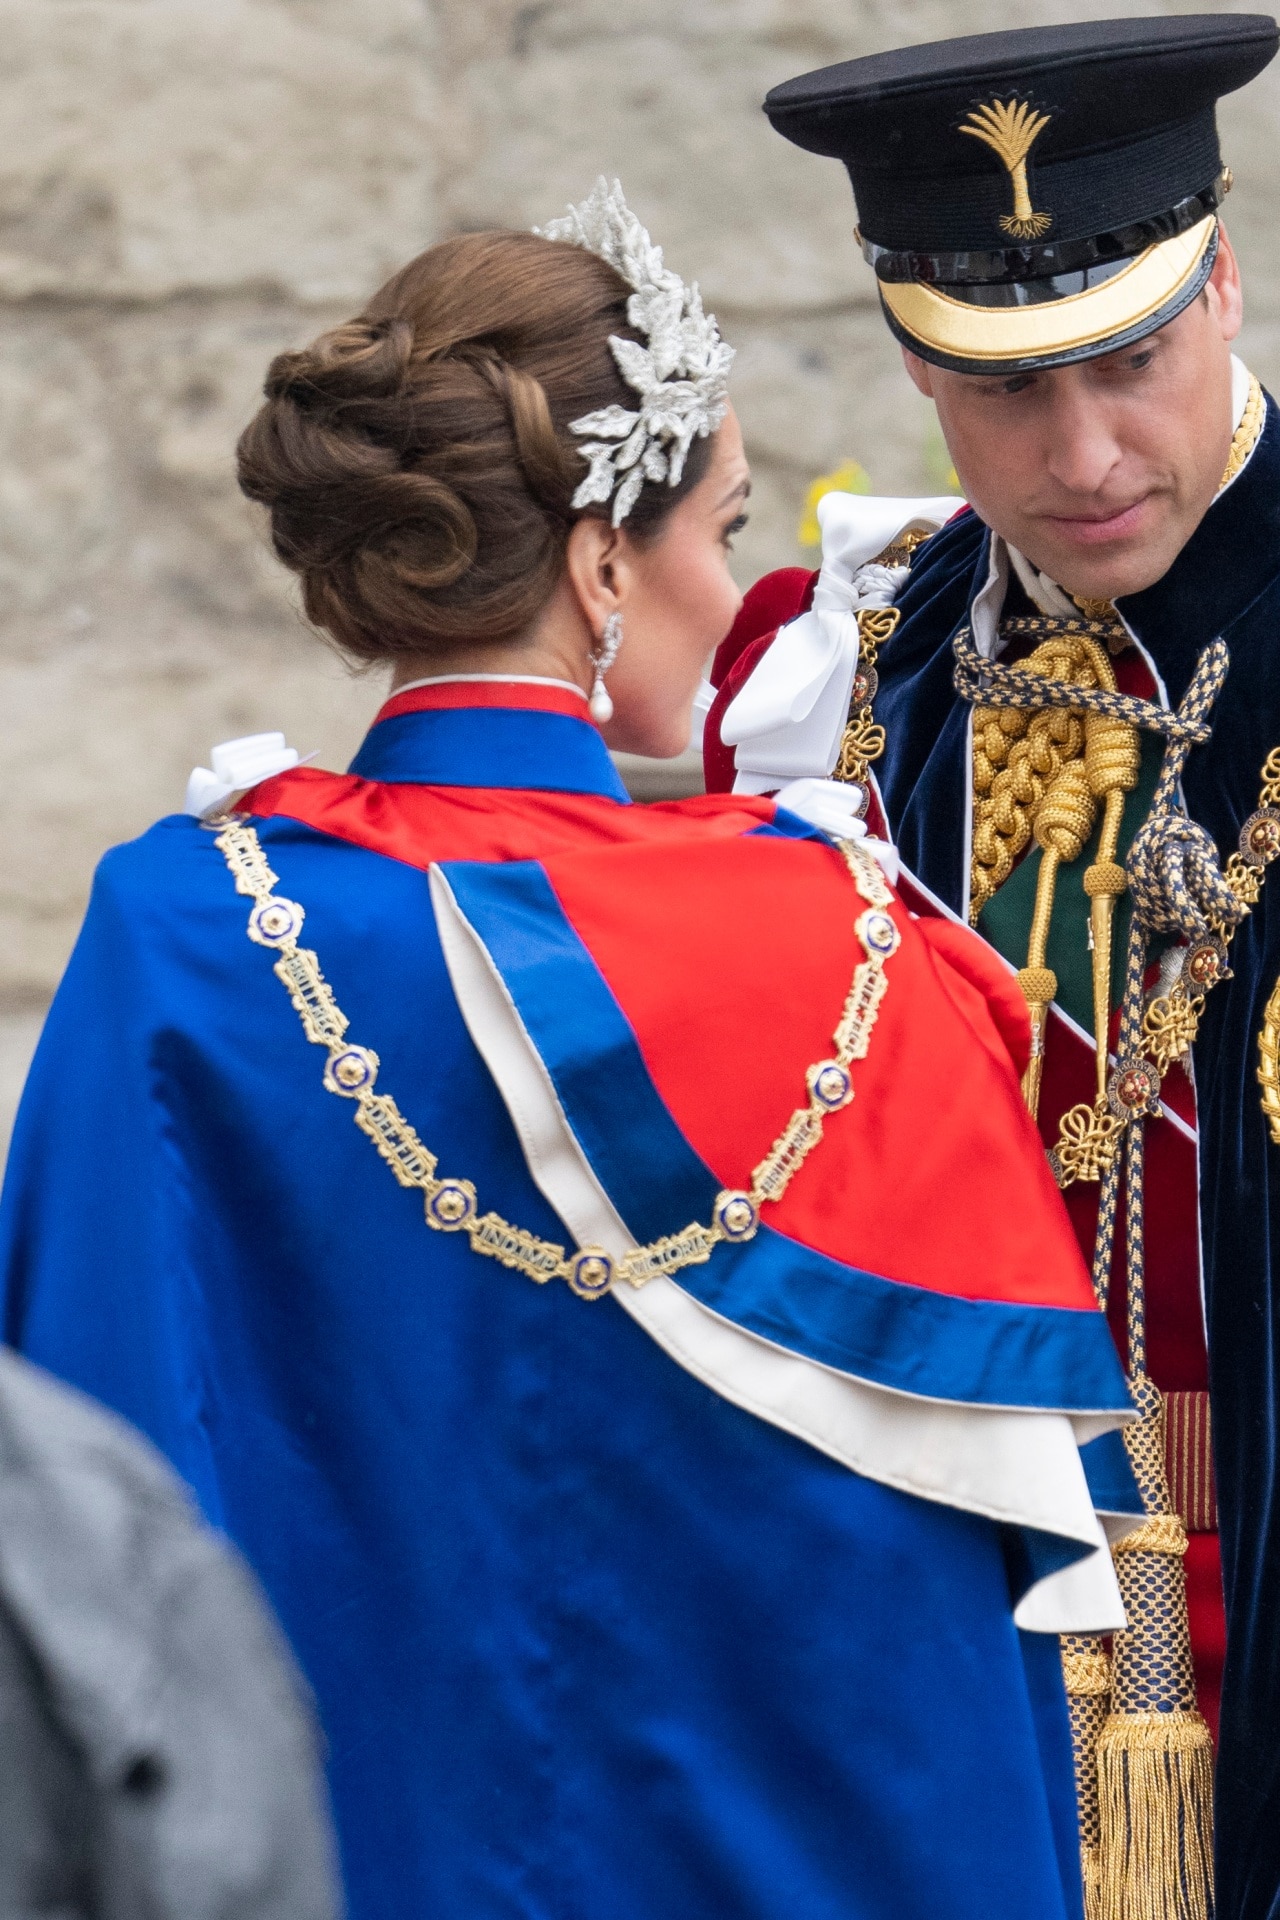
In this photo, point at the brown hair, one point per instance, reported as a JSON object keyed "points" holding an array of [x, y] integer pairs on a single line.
{"points": [[417, 462]]}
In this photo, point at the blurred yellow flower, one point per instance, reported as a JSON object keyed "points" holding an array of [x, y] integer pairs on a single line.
{"points": [[939, 472], [848, 477]]}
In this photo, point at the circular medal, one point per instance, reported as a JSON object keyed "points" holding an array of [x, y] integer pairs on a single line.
{"points": [[878, 933], [591, 1273], [1260, 837], [736, 1215], [352, 1070], [451, 1205], [275, 921], [1133, 1088], [830, 1085], [1204, 965], [866, 684]]}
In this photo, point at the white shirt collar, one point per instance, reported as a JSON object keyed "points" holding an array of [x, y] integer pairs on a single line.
{"points": [[488, 679]]}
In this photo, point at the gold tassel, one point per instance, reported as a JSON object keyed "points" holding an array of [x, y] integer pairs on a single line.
{"points": [[1156, 1795], [1063, 824], [1155, 1754]]}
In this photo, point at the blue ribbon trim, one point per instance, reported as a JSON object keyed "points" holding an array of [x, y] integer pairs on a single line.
{"points": [[517, 747], [938, 1346], [1109, 1474]]}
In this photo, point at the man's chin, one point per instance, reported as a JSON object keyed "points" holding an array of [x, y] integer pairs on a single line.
{"points": [[1129, 567]]}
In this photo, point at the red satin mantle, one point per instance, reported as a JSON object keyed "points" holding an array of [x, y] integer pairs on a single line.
{"points": [[622, 873]]}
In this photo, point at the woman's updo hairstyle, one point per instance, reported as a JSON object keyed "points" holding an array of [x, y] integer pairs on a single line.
{"points": [[417, 462]]}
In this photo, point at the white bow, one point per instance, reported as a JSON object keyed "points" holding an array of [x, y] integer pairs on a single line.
{"points": [[787, 720], [238, 765]]}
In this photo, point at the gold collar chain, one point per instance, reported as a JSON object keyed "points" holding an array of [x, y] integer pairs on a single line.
{"points": [[451, 1205]]}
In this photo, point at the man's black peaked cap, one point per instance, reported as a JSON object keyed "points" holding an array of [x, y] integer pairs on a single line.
{"points": [[1130, 129], [999, 176]]}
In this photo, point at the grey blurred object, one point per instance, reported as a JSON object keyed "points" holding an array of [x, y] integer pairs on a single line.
{"points": [[158, 1760]]}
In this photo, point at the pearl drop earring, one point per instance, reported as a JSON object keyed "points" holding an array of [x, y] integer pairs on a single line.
{"points": [[602, 659]]}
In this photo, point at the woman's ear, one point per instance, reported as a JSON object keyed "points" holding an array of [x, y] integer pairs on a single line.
{"points": [[597, 563]]}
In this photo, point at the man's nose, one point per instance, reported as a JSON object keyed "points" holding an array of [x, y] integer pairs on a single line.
{"points": [[1082, 449]]}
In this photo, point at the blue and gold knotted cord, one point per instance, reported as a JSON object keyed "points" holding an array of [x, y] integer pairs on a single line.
{"points": [[1145, 1773]]}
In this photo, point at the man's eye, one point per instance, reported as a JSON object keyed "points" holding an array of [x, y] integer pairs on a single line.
{"points": [[1134, 362], [1016, 383]]}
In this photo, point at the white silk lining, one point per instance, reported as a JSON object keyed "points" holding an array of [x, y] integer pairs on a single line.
{"points": [[1016, 1467]]}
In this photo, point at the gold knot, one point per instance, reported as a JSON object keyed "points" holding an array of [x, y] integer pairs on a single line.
{"points": [[1105, 877], [1087, 1142], [1159, 1533], [1086, 1672], [1039, 985], [876, 624], [1064, 819], [1112, 752]]}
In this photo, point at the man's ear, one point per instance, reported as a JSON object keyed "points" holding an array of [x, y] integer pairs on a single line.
{"points": [[1226, 294], [919, 371]]}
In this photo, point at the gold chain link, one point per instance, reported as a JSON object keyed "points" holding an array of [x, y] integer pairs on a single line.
{"points": [[351, 1072]]}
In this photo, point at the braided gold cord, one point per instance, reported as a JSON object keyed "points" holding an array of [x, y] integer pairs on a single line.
{"points": [[1246, 434], [1269, 1063], [1154, 1817], [1063, 823], [1113, 760]]}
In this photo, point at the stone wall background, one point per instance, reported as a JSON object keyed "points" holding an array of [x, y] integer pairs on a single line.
{"points": [[186, 186]]}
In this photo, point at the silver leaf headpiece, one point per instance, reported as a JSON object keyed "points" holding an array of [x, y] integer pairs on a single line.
{"points": [[681, 376]]}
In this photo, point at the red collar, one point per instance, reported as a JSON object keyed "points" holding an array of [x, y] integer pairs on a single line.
{"points": [[534, 696]]}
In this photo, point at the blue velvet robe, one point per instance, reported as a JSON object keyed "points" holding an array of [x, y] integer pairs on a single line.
{"points": [[588, 1641], [1225, 582]]}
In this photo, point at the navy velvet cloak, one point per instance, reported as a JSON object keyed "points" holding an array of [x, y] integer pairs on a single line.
{"points": [[1225, 582]]}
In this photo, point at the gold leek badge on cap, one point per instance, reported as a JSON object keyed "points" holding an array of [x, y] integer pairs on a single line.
{"points": [[1011, 128]]}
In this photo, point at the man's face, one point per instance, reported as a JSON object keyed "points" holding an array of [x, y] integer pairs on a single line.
{"points": [[1101, 472]]}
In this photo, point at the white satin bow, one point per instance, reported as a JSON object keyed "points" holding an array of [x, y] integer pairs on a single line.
{"points": [[238, 765], [786, 722]]}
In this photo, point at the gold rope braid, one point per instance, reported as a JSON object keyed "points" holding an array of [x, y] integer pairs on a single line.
{"points": [[1245, 437], [1143, 1754], [351, 1071], [1058, 764], [1018, 751], [1269, 1062], [1259, 844]]}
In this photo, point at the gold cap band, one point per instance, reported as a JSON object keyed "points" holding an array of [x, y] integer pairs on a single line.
{"points": [[955, 330]]}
